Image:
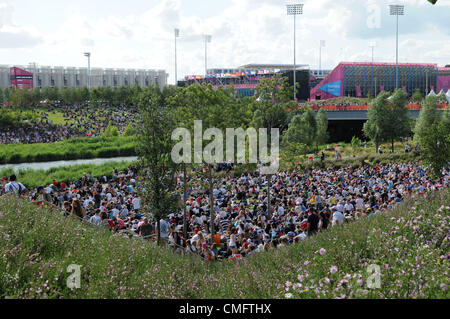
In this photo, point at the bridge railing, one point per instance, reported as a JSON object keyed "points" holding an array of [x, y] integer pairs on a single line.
{"points": [[366, 107]]}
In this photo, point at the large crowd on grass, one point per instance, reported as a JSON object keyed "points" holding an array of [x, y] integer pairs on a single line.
{"points": [[302, 204], [78, 121]]}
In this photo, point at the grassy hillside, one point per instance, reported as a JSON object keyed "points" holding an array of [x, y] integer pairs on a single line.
{"points": [[71, 149], [410, 244]]}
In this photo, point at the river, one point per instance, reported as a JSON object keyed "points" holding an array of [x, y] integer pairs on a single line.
{"points": [[48, 165]]}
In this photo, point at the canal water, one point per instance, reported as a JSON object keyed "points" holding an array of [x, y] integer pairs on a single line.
{"points": [[48, 165]]}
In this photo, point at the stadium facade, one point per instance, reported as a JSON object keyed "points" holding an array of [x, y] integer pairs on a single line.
{"points": [[246, 78], [361, 79], [41, 76]]}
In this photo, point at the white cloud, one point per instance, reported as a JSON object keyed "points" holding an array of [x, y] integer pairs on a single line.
{"points": [[245, 31]]}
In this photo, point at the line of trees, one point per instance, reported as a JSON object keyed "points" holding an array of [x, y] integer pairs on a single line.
{"points": [[124, 95], [389, 121], [308, 129], [433, 135]]}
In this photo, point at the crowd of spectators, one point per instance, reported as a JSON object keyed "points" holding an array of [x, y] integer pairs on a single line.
{"points": [[302, 204], [79, 121]]}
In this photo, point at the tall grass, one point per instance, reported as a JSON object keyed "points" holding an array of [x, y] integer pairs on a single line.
{"points": [[33, 178], [409, 244], [71, 149]]}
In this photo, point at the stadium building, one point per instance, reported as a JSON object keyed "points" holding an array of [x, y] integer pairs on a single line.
{"points": [[246, 78], [41, 76], [356, 79]]}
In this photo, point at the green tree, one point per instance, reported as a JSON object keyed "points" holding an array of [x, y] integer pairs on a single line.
{"points": [[167, 92], [435, 142], [214, 107], [135, 93], [446, 115], [154, 148], [2, 98], [427, 117], [398, 122], [377, 114], [85, 95], [417, 96], [356, 142], [270, 104], [95, 97], [122, 95], [6, 95], [129, 130], [108, 95], [322, 127], [66, 96], [20, 97], [36, 95], [51, 94], [111, 131], [302, 129], [77, 95]]}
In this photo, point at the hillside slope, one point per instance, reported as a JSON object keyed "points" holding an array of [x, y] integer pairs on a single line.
{"points": [[410, 244]]}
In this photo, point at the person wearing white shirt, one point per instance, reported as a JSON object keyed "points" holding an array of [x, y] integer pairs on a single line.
{"points": [[348, 207], [338, 218], [115, 212], [280, 210], [359, 203], [136, 203], [95, 220], [340, 207], [13, 186]]}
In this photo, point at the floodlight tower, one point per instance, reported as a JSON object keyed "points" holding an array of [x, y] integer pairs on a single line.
{"points": [[294, 10], [396, 10], [88, 55], [322, 45], [207, 40], [372, 45], [177, 34]]}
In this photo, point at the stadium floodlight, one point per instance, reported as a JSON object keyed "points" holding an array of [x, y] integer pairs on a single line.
{"points": [[372, 44], [177, 34], [88, 55], [207, 39], [322, 45], [294, 9], [396, 10]]}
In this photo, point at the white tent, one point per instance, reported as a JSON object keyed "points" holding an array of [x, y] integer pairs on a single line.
{"points": [[432, 93], [447, 95], [441, 92]]}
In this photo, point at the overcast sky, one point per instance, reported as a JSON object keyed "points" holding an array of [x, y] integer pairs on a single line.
{"points": [[140, 33]]}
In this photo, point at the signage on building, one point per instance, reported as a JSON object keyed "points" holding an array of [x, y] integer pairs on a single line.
{"points": [[333, 88]]}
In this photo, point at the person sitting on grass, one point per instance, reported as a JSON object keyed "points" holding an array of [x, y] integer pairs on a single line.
{"points": [[14, 187], [77, 209]]}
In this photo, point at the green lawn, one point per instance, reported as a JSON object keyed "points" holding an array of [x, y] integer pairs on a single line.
{"points": [[76, 148]]}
